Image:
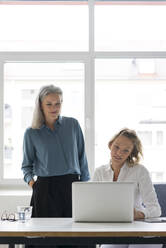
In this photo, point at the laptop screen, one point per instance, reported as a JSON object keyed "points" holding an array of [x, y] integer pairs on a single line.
{"points": [[103, 201]]}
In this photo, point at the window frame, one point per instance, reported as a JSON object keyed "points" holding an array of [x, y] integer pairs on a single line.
{"points": [[56, 58], [88, 58]]}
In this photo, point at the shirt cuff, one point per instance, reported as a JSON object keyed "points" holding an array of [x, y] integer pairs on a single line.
{"points": [[28, 179], [84, 178]]}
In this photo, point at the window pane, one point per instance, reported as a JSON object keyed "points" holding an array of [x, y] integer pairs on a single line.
{"points": [[129, 97], [21, 85], [44, 27], [137, 27], [159, 138]]}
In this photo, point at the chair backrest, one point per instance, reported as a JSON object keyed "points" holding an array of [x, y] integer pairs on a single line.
{"points": [[161, 194]]}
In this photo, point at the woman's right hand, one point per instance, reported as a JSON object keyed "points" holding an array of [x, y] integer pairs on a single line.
{"points": [[138, 214], [31, 183]]}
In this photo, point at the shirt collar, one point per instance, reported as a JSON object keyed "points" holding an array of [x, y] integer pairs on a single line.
{"points": [[59, 121], [124, 167]]}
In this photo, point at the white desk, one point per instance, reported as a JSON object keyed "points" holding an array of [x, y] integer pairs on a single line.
{"points": [[64, 231]]}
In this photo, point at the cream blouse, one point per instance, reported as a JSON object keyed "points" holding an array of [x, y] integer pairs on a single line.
{"points": [[145, 198]]}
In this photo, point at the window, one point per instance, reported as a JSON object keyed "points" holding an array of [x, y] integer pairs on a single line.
{"points": [[108, 57], [21, 85], [130, 27], [127, 98], [44, 27]]}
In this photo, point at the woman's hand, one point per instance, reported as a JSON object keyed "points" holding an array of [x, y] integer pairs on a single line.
{"points": [[31, 183], [138, 215]]}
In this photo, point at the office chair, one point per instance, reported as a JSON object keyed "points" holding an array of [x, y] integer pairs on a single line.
{"points": [[160, 189]]}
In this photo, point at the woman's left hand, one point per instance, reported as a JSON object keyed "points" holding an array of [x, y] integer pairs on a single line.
{"points": [[138, 215]]}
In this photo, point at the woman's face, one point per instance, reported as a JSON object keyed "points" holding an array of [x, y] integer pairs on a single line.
{"points": [[51, 107], [121, 149]]}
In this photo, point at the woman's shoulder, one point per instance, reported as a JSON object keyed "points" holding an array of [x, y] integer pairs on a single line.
{"points": [[140, 168], [102, 168], [70, 122], [31, 131], [102, 173], [68, 119]]}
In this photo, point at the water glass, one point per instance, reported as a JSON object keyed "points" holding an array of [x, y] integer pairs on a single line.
{"points": [[24, 213]]}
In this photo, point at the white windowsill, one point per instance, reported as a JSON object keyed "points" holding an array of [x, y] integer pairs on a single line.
{"points": [[14, 192]]}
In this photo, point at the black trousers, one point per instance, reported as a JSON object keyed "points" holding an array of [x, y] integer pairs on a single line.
{"points": [[52, 197]]}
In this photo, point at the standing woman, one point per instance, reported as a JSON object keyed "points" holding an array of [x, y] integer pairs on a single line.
{"points": [[126, 150], [54, 151]]}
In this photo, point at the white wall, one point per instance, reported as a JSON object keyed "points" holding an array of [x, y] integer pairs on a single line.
{"points": [[9, 200]]}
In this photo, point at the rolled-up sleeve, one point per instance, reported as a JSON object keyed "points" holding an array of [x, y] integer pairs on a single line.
{"points": [[148, 194], [85, 176]]}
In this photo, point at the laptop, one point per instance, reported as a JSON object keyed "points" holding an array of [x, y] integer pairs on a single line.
{"points": [[102, 201]]}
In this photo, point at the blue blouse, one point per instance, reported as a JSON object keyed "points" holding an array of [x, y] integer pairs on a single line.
{"points": [[55, 152]]}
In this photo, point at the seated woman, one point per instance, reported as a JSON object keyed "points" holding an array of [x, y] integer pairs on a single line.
{"points": [[126, 151]]}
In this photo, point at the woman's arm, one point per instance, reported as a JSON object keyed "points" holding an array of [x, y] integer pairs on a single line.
{"points": [[85, 176], [148, 194], [28, 157]]}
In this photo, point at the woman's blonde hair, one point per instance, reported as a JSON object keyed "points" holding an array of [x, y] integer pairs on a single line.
{"points": [[136, 153], [38, 117]]}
